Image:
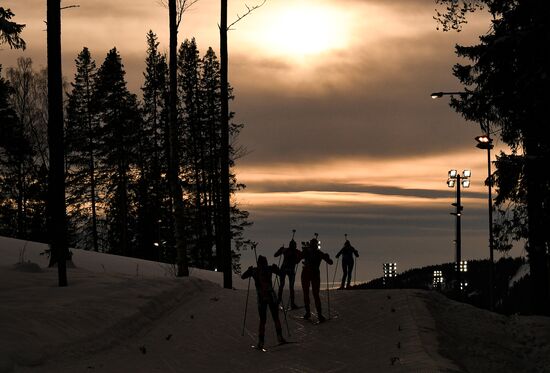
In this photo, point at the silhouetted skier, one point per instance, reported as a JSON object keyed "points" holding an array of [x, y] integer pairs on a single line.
{"points": [[347, 253], [266, 296], [312, 275], [291, 257]]}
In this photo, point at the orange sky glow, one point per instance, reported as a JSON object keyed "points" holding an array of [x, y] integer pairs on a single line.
{"points": [[334, 94]]}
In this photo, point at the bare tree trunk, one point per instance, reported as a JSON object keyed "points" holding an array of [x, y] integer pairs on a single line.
{"points": [[57, 224], [175, 187], [225, 231]]}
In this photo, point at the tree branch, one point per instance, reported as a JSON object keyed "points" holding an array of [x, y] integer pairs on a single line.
{"points": [[70, 6], [250, 9], [182, 7]]}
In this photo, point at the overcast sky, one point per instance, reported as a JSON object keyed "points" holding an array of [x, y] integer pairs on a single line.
{"points": [[341, 133]]}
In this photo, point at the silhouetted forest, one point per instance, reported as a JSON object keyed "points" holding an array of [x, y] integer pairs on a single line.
{"points": [[116, 156], [511, 294], [506, 78]]}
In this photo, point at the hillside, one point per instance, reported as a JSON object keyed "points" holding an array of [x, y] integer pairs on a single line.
{"points": [[140, 321]]}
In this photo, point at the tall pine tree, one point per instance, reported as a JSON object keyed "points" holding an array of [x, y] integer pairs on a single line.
{"points": [[82, 145], [155, 240], [120, 123]]}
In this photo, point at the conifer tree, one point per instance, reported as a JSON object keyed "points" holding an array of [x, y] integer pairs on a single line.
{"points": [[154, 209], [10, 31], [192, 144], [507, 81], [119, 119], [81, 156]]}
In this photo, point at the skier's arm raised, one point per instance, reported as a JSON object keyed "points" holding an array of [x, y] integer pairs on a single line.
{"points": [[326, 258], [248, 273], [275, 269], [280, 251]]}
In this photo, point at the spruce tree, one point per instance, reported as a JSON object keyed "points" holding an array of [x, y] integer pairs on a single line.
{"points": [[155, 240], [120, 124], [82, 144], [507, 81], [192, 144]]}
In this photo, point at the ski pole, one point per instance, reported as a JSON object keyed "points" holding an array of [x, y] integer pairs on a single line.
{"points": [[284, 309], [246, 305], [335, 270], [255, 254], [283, 303], [355, 273], [286, 320], [328, 293]]}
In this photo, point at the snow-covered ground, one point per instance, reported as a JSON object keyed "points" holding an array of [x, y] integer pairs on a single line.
{"points": [[127, 315]]}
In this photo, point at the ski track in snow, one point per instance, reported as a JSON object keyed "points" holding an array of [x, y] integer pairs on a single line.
{"points": [[125, 315]]}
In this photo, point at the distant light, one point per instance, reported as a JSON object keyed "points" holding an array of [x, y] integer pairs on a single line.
{"points": [[451, 183], [484, 142], [156, 244], [390, 269], [435, 95], [467, 173], [453, 174], [215, 270], [438, 278], [466, 183], [483, 138]]}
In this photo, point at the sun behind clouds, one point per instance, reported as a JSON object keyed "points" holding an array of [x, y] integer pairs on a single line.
{"points": [[304, 30]]}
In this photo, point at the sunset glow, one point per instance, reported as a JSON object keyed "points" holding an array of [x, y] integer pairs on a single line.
{"points": [[301, 31], [340, 133]]}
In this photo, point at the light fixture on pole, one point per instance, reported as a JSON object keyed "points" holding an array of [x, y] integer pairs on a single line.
{"points": [[458, 180], [436, 95], [390, 272], [486, 142]]}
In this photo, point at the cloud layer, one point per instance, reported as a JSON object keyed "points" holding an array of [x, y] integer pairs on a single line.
{"points": [[345, 140]]}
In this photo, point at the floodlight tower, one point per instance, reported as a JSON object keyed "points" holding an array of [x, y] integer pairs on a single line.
{"points": [[458, 180]]}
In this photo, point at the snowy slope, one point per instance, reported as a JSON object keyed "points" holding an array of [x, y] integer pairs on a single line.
{"points": [[114, 317]]}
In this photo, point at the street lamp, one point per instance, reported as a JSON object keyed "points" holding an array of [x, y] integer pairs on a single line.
{"points": [[441, 94], [458, 180], [486, 142], [390, 272]]}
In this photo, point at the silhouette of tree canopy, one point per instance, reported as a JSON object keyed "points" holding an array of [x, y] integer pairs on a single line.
{"points": [[507, 83], [23, 152], [82, 147], [10, 32], [116, 151]]}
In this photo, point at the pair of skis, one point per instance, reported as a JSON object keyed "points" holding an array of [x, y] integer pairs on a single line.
{"points": [[264, 349]]}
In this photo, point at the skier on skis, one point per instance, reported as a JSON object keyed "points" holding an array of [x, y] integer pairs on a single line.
{"points": [[291, 257], [266, 296], [311, 274], [347, 253]]}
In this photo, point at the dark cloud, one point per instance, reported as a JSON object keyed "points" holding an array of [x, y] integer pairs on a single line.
{"points": [[305, 185], [379, 108]]}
